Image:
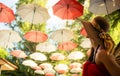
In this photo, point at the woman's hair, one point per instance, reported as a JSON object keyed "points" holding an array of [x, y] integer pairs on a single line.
{"points": [[103, 23]]}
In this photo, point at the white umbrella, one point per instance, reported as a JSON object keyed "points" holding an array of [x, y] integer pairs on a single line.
{"points": [[75, 55], [38, 56], [62, 35], [33, 13], [45, 47], [86, 43], [104, 6], [8, 37], [29, 63]]}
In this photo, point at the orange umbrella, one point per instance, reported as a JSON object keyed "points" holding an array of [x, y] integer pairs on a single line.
{"points": [[67, 45], [6, 14], [36, 36], [18, 53], [68, 9]]}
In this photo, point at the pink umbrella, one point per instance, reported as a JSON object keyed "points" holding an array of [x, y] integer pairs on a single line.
{"points": [[67, 45], [36, 36], [6, 14], [18, 54]]}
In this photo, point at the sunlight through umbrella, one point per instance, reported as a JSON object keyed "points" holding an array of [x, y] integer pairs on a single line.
{"points": [[6, 14], [38, 56], [8, 37], [68, 9], [33, 13], [62, 35], [46, 47], [36, 36], [67, 45], [104, 6], [18, 53]]}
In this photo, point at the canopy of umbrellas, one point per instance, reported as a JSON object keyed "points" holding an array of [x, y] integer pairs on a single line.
{"points": [[33, 13]]}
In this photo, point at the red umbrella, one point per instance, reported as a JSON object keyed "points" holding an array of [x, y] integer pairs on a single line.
{"points": [[68, 9], [36, 36], [6, 14], [67, 45], [83, 32]]}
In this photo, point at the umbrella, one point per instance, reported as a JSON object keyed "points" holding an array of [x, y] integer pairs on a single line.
{"points": [[8, 37], [86, 43], [18, 53], [104, 6], [83, 32], [75, 55], [6, 14], [33, 13], [38, 56], [68, 9], [67, 45], [45, 47], [30, 63], [36, 36], [62, 35]]}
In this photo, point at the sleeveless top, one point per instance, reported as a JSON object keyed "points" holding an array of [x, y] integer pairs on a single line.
{"points": [[90, 68]]}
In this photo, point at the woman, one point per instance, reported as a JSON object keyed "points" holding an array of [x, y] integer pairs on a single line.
{"points": [[101, 61]]}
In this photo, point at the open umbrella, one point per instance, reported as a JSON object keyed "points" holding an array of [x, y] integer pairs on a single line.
{"points": [[35, 36], [104, 6], [46, 47], [18, 53], [67, 45], [33, 13], [6, 14], [8, 37], [68, 9], [62, 35]]}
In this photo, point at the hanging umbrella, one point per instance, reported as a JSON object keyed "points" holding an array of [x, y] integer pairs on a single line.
{"points": [[104, 6], [68, 9], [33, 13], [6, 65], [18, 53], [62, 35], [86, 43], [45, 47], [36, 36], [6, 14], [67, 45], [8, 37], [38, 56], [29, 63], [83, 32]]}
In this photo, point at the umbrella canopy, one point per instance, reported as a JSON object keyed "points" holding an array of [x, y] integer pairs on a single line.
{"points": [[38, 56], [8, 37], [36, 36], [86, 43], [68, 9], [6, 14], [104, 6], [18, 53], [67, 45], [29, 63], [33, 13], [62, 35], [6, 65], [45, 47]]}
